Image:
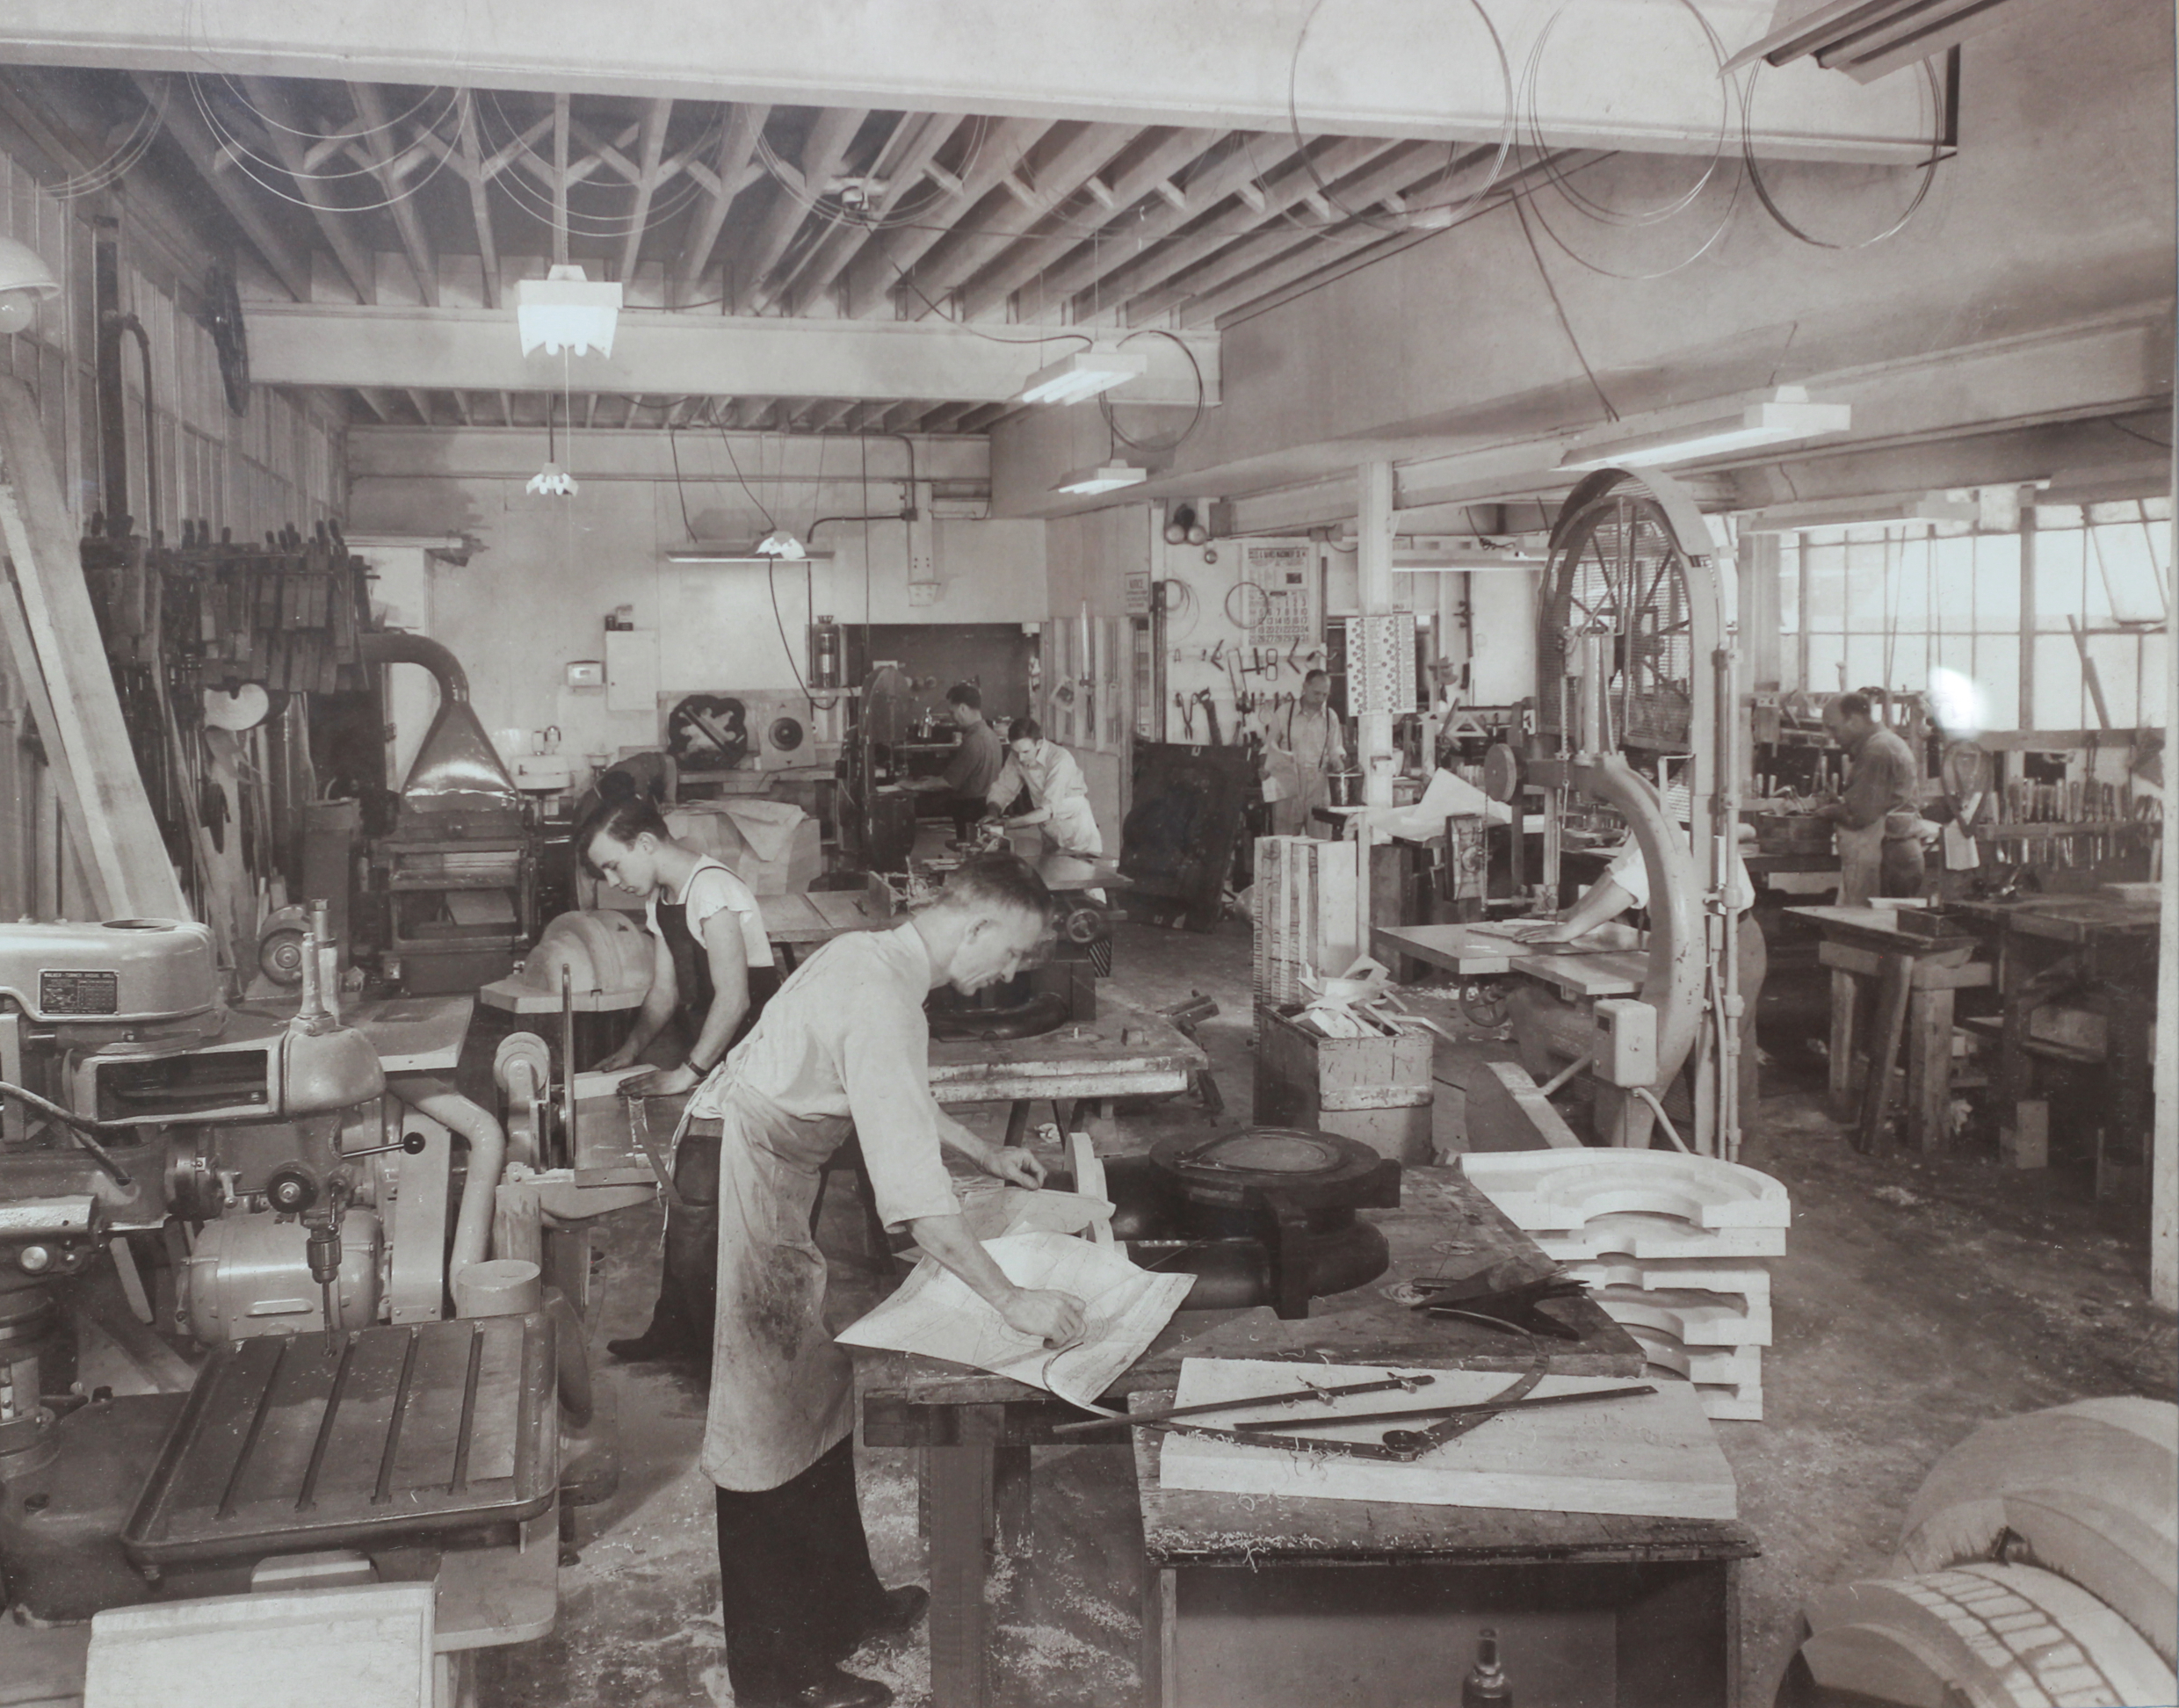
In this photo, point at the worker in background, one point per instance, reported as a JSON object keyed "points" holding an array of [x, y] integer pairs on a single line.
{"points": [[1877, 821], [1059, 800], [976, 762], [1544, 1027], [710, 971], [843, 1047], [1305, 745]]}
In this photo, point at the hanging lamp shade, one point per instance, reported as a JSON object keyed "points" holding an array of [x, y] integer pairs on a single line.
{"points": [[566, 311]]}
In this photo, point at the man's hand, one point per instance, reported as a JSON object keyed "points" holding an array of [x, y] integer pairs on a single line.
{"points": [[1011, 1162], [1545, 931], [663, 1082], [1829, 811], [1055, 1318], [623, 1057]]}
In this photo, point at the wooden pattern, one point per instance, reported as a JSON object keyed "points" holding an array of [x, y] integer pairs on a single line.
{"points": [[1994, 1633], [805, 919], [1723, 1275], [1125, 1052], [1729, 1366], [2092, 1489], [1661, 1237], [1653, 1455], [1559, 1190], [1696, 1319]]}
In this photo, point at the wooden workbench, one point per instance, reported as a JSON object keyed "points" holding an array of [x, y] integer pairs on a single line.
{"points": [[977, 1430], [1906, 980], [802, 921], [1654, 1602], [1605, 962]]}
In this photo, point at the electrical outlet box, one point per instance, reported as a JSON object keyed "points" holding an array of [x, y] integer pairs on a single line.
{"points": [[586, 673], [923, 554], [923, 592], [1626, 1041]]}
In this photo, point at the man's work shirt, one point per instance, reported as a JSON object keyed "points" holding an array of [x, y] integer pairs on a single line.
{"points": [[1054, 781], [846, 1038], [1885, 784], [1631, 872], [976, 762]]}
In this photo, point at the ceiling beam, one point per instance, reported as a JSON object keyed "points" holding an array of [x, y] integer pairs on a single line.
{"points": [[371, 110], [874, 281], [560, 105], [1203, 302], [1284, 188], [822, 151], [656, 351], [988, 292], [285, 132], [1177, 207], [187, 128], [1387, 67], [655, 117], [737, 141], [961, 252], [912, 144], [480, 201]]}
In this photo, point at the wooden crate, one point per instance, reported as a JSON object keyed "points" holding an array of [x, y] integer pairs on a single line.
{"points": [[1376, 1089]]}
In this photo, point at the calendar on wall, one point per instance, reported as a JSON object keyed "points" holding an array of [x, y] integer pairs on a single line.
{"points": [[1380, 663], [1285, 572]]}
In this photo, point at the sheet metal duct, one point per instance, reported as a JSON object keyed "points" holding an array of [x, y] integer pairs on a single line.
{"points": [[457, 769]]}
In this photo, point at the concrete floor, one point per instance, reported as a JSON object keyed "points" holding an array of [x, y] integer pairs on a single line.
{"points": [[1917, 1299]]}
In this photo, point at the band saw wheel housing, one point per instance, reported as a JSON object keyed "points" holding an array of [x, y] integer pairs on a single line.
{"points": [[2037, 1564]]}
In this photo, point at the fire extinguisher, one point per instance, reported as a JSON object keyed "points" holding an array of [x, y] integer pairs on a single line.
{"points": [[824, 654]]}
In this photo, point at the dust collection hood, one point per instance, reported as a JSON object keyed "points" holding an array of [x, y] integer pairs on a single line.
{"points": [[457, 770]]}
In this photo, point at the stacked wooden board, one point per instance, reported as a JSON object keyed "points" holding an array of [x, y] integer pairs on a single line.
{"points": [[1304, 904], [1673, 1244]]}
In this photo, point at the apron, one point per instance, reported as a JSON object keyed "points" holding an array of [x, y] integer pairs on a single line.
{"points": [[1304, 780], [1861, 862], [782, 1392], [691, 966]]}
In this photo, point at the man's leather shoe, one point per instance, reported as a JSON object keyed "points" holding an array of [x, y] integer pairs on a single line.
{"points": [[835, 1689]]}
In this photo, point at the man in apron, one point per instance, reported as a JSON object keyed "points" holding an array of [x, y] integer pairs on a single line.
{"points": [[711, 972], [843, 1047], [1307, 746], [1877, 822], [1059, 800]]}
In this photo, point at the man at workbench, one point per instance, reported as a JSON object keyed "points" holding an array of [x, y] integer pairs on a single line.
{"points": [[845, 1044], [1626, 885], [976, 764], [1877, 821], [711, 973], [1059, 800]]}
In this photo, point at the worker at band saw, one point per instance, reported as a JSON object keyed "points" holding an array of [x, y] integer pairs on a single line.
{"points": [[977, 761], [712, 971], [1548, 1030], [844, 1046]]}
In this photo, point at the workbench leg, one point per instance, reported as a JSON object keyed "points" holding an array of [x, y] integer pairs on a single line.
{"points": [[1844, 990], [1063, 1114], [1161, 1594], [1887, 1025], [2026, 1143], [1010, 1484], [960, 1477], [1930, 1070], [1017, 1122]]}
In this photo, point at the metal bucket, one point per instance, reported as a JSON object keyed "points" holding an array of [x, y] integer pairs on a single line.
{"points": [[1346, 787]]}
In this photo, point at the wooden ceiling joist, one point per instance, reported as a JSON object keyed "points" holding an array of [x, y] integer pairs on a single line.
{"points": [[737, 141], [822, 151]]}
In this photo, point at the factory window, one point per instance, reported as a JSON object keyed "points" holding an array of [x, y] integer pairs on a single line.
{"points": [[1886, 605]]}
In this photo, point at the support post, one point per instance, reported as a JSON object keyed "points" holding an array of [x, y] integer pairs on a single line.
{"points": [[2164, 1150]]}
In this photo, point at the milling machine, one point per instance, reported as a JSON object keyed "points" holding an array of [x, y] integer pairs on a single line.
{"points": [[277, 1213]]}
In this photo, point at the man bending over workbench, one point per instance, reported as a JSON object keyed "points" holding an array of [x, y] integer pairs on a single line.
{"points": [[844, 1046]]}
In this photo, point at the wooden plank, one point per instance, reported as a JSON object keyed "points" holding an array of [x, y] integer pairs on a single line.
{"points": [[1654, 1455], [1845, 993], [1613, 973], [53, 638], [1930, 1069], [1886, 1025]]}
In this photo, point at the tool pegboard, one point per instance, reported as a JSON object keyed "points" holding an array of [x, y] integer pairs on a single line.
{"points": [[1284, 607], [1380, 663]]}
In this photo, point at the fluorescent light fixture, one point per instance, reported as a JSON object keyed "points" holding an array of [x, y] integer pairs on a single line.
{"points": [[564, 311], [1077, 378], [1884, 511], [1107, 477], [1424, 560], [1786, 414], [718, 552], [2149, 477]]}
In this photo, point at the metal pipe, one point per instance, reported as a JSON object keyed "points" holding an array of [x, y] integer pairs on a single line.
{"points": [[487, 1156]]}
